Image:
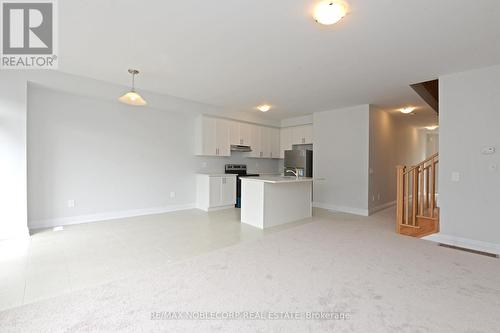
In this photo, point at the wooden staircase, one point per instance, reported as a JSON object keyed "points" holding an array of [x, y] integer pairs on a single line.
{"points": [[417, 211]]}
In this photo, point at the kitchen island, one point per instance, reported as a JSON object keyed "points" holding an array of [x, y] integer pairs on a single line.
{"points": [[268, 201]]}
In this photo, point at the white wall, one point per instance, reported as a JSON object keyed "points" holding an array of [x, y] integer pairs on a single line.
{"points": [[384, 143], [341, 156], [12, 156], [411, 141], [112, 159], [469, 120]]}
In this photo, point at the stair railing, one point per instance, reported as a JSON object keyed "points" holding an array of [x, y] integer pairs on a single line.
{"points": [[416, 192]]}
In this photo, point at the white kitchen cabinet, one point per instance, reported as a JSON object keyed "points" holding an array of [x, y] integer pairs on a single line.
{"points": [[275, 143], [256, 138], [222, 137], [285, 140], [245, 134], [215, 192], [302, 135], [297, 135], [265, 143], [240, 133], [212, 137], [234, 132]]}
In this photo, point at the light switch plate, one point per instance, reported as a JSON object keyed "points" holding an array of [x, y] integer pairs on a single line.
{"points": [[455, 176]]}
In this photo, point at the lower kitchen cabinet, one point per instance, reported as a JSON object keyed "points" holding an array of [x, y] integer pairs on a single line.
{"points": [[215, 192]]}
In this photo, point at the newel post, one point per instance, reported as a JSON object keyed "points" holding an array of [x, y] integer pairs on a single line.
{"points": [[400, 169]]}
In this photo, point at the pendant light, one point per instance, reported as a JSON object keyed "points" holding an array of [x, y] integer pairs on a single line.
{"points": [[132, 97]]}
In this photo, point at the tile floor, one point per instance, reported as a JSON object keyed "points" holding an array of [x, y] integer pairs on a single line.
{"points": [[52, 263]]}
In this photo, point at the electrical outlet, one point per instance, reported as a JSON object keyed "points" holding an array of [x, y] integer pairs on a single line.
{"points": [[71, 203], [455, 176], [172, 194], [204, 164]]}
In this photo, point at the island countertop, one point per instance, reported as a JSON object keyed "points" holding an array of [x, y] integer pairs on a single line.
{"points": [[277, 179]]}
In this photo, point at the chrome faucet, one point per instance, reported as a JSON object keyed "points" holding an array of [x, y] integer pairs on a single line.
{"points": [[295, 173]]}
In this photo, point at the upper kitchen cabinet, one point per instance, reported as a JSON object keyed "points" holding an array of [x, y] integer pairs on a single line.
{"points": [[240, 133], [256, 138], [275, 142], [265, 142], [285, 140], [212, 136], [302, 134], [222, 137]]}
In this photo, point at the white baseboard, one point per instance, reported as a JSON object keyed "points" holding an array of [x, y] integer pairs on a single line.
{"points": [[213, 209], [382, 207], [465, 243], [343, 209], [49, 223]]}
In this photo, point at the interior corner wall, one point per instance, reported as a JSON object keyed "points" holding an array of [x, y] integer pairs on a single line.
{"points": [[383, 159], [341, 158], [469, 113], [13, 190]]}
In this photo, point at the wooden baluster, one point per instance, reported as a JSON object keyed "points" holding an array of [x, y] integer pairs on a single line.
{"points": [[427, 192], [407, 198], [421, 189], [400, 196], [433, 187], [414, 197]]}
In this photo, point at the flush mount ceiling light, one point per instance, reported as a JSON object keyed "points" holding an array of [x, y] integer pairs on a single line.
{"points": [[330, 12], [432, 128], [264, 107], [132, 97], [407, 110]]}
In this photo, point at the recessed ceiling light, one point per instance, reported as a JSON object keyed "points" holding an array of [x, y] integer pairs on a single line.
{"points": [[264, 107], [432, 128], [407, 110], [329, 12]]}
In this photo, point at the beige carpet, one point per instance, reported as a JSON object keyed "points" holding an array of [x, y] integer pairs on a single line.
{"points": [[382, 281]]}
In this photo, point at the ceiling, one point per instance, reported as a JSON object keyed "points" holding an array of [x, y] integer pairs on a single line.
{"points": [[236, 54]]}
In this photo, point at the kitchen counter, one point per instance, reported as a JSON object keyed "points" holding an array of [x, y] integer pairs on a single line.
{"points": [[215, 174], [278, 179], [268, 201]]}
